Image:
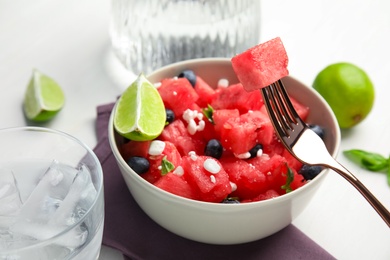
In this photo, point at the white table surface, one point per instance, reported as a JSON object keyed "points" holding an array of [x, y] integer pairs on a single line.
{"points": [[68, 40]]}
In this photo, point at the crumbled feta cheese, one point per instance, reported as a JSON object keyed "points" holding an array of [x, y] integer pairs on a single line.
{"points": [[174, 93], [199, 116], [159, 167], [156, 147], [211, 166], [201, 125], [212, 178], [265, 156], [189, 116], [179, 171], [243, 155], [223, 83], [234, 186], [259, 152], [191, 127], [157, 84], [193, 156]]}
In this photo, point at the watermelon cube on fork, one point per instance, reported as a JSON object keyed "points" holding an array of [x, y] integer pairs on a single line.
{"points": [[261, 65]]}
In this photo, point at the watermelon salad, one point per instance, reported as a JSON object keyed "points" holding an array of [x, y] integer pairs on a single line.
{"points": [[218, 145]]}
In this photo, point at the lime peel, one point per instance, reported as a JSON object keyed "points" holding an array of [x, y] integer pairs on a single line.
{"points": [[139, 114]]}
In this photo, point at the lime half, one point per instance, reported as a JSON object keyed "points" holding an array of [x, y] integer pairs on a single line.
{"points": [[43, 98], [140, 112]]}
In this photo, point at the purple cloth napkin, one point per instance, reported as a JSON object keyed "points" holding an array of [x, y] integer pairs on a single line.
{"points": [[128, 229]]}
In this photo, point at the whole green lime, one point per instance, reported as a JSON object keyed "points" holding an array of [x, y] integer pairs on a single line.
{"points": [[348, 91]]}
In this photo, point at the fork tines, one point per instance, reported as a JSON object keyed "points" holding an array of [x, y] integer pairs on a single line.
{"points": [[280, 109]]}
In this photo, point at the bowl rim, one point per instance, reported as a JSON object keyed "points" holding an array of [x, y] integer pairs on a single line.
{"points": [[212, 205]]}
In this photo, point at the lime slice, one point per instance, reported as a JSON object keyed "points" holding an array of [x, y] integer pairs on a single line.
{"points": [[140, 112], [43, 99]]}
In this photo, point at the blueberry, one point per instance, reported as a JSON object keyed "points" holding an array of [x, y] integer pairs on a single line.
{"points": [[139, 164], [254, 150], [318, 130], [190, 75], [231, 201], [170, 115], [309, 172], [213, 148]]}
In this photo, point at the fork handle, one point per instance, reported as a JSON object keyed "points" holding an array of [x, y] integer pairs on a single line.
{"points": [[375, 203]]}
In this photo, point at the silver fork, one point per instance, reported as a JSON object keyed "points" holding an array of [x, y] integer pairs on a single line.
{"points": [[301, 141]]}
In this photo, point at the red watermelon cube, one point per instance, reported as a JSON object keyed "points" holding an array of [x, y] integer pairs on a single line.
{"points": [[240, 134], [235, 97], [205, 91], [170, 153], [178, 95], [177, 185], [135, 148], [220, 116], [265, 130], [211, 186], [250, 181], [261, 65], [177, 133]]}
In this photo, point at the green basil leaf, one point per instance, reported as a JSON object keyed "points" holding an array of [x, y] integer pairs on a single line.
{"points": [[208, 113], [371, 161], [290, 179], [166, 166]]}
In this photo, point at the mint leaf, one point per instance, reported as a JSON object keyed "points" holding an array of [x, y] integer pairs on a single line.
{"points": [[290, 179], [208, 113], [368, 160], [166, 166]]}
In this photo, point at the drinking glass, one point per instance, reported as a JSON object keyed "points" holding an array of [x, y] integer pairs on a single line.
{"points": [[149, 34], [51, 196]]}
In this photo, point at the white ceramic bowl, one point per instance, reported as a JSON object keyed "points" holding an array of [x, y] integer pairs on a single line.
{"points": [[227, 223]]}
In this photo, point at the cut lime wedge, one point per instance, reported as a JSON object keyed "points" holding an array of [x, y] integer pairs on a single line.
{"points": [[43, 98], [140, 112]]}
